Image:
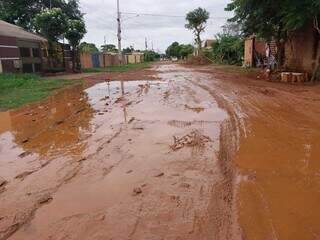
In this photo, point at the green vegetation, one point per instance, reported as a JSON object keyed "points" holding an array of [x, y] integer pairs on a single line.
{"points": [[119, 68], [88, 48], [17, 89], [54, 19], [274, 19], [151, 56], [54, 23], [227, 49], [196, 21], [179, 50], [109, 48]]}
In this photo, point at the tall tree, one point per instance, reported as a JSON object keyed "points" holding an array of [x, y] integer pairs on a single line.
{"points": [[75, 32], [52, 24], [196, 21]]}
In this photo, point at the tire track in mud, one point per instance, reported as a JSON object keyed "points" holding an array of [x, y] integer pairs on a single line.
{"points": [[223, 203]]}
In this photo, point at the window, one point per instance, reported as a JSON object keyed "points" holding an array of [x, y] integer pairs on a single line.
{"points": [[37, 67], [25, 52], [36, 52], [27, 68]]}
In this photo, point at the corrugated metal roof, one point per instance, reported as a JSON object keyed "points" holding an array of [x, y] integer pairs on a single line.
{"points": [[10, 30]]}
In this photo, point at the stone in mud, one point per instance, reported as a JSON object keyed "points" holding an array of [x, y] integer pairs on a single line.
{"points": [[128, 172], [60, 122], [45, 200], [159, 175], [131, 120], [25, 140], [137, 191], [82, 159], [25, 154], [3, 182]]}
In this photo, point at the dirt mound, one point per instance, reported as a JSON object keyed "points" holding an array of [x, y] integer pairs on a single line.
{"points": [[197, 60]]}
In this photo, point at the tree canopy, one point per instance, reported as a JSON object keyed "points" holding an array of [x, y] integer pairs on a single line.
{"points": [[196, 21], [150, 56], [88, 47], [76, 30], [109, 48], [273, 18], [23, 12], [179, 50], [51, 23]]}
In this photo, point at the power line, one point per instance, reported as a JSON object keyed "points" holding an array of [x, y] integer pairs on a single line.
{"points": [[164, 15]]}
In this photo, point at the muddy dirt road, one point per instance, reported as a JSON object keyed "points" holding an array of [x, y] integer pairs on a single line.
{"points": [[187, 153]]}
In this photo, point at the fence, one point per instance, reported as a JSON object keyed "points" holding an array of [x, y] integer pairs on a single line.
{"points": [[99, 60]]}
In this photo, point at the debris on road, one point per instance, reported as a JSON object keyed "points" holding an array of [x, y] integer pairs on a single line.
{"points": [[190, 140]]}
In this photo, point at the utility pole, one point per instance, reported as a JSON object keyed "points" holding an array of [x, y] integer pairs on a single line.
{"points": [[146, 44], [119, 32]]}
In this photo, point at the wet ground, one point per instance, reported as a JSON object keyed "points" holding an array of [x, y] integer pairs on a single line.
{"points": [[184, 153]]}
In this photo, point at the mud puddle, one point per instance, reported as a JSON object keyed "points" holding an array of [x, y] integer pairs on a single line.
{"points": [[98, 163]]}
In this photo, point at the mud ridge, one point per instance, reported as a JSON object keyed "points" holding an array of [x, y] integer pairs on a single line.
{"points": [[223, 203]]}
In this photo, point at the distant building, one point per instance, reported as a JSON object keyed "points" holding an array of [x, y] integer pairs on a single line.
{"points": [[134, 57], [209, 43], [20, 50]]}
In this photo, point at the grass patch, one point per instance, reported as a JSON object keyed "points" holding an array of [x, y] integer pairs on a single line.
{"points": [[119, 68], [18, 89]]}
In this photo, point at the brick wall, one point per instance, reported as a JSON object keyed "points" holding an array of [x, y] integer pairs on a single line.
{"points": [[303, 50]]}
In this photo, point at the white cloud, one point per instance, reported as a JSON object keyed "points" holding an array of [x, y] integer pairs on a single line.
{"points": [[162, 31]]}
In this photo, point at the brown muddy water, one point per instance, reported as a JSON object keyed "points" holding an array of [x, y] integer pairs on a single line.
{"points": [[119, 160], [192, 155]]}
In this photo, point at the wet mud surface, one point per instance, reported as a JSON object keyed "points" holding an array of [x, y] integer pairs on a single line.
{"points": [[277, 168], [166, 153], [117, 160]]}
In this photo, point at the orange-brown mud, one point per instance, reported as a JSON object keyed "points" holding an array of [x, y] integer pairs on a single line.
{"points": [[182, 153]]}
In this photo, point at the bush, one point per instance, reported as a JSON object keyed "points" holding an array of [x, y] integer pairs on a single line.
{"points": [[228, 49]]}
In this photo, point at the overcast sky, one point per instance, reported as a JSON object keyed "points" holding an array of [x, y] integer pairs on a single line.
{"points": [[162, 31]]}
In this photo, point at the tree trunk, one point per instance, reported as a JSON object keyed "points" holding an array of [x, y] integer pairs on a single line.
{"points": [[74, 59], [199, 43]]}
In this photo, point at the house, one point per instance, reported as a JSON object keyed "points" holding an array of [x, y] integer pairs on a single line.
{"points": [[20, 50], [254, 51], [134, 57], [209, 43], [302, 50]]}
